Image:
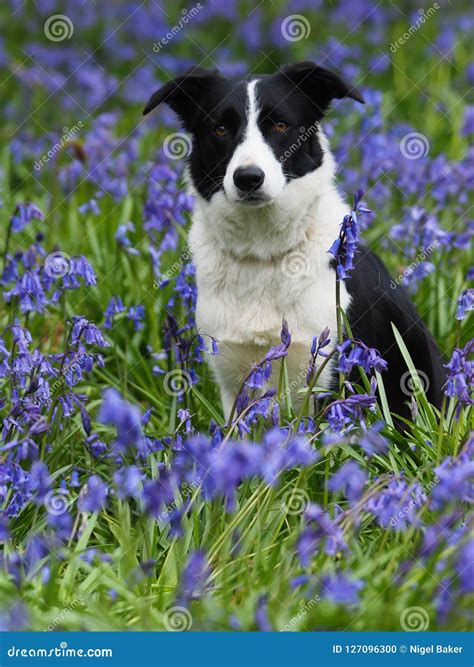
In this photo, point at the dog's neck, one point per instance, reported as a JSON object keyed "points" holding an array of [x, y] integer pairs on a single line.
{"points": [[311, 207]]}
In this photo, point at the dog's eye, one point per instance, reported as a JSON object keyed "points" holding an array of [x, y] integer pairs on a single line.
{"points": [[220, 131], [280, 126]]}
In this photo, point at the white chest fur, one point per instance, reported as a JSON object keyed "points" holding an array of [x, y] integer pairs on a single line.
{"points": [[258, 266]]}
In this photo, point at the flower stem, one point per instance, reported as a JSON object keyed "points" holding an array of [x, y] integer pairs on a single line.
{"points": [[339, 327]]}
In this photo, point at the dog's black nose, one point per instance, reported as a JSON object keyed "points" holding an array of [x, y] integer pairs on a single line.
{"points": [[248, 178]]}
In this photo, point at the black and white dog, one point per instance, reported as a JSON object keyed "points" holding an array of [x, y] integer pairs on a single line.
{"points": [[267, 211]]}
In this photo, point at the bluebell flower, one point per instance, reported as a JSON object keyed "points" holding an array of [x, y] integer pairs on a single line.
{"points": [[61, 523], [468, 126], [79, 267], [93, 496], [96, 446], [194, 577], [396, 505], [87, 331], [344, 247], [128, 481], [465, 566], [24, 214], [454, 482], [123, 240], [298, 581], [346, 412], [30, 293], [355, 353], [4, 531], [114, 307], [320, 531], [371, 441], [465, 303], [125, 417], [317, 349], [340, 589], [136, 314], [460, 380], [261, 614], [90, 206], [158, 493], [350, 479], [39, 481]]}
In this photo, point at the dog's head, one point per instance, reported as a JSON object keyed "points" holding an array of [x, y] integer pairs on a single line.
{"points": [[251, 138]]}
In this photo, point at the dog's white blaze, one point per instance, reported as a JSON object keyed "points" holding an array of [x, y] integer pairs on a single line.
{"points": [[254, 151]]}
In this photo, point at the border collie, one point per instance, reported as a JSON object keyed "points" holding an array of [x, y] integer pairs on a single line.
{"points": [[265, 198]]}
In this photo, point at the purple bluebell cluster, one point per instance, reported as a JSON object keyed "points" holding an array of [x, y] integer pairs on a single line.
{"points": [[344, 247]]}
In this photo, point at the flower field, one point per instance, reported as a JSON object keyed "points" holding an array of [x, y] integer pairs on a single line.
{"points": [[126, 500]]}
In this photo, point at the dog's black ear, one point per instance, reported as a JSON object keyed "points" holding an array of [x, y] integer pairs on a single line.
{"points": [[183, 93], [319, 84]]}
